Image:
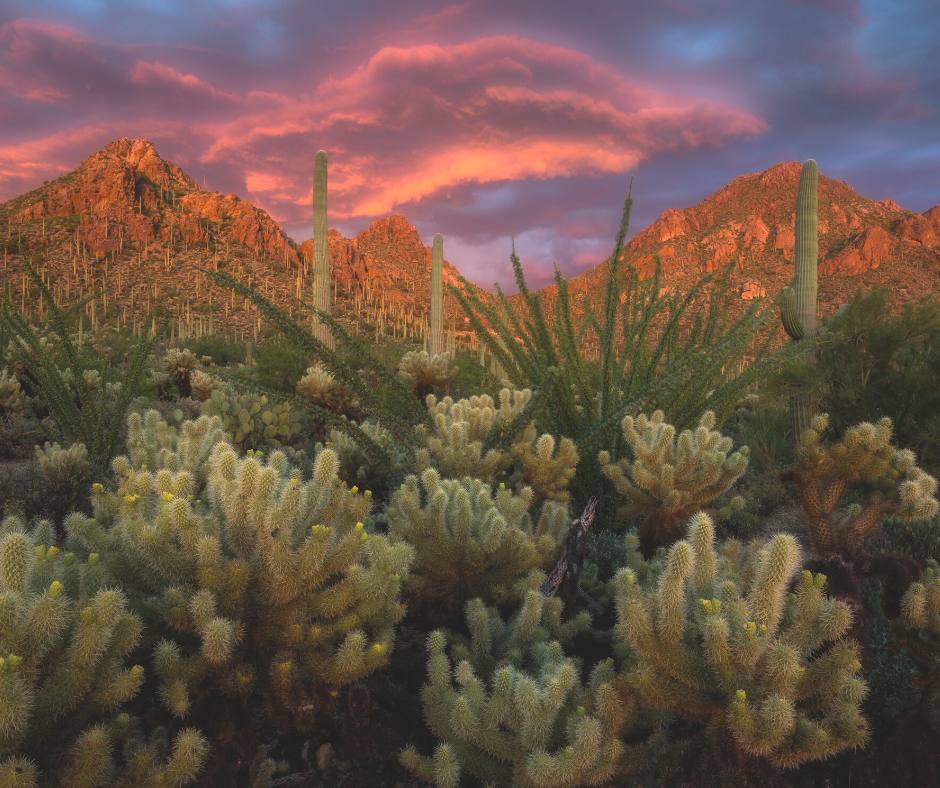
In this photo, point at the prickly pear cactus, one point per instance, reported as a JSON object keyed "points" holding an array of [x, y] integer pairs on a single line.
{"points": [[672, 480], [63, 642], [250, 421]]}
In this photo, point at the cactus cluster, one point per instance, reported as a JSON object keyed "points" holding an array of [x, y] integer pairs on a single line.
{"points": [[203, 385], [250, 421], [323, 390], [823, 474], [719, 640], [423, 371], [520, 715], [461, 429], [355, 467], [276, 581], [59, 464], [179, 364], [672, 480], [469, 545], [11, 394], [64, 637]]}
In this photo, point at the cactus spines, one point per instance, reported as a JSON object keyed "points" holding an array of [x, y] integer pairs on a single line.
{"points": [[754, 663], [673, 478], [893, 484], [798, 307], [321, 257], [437, 296]]}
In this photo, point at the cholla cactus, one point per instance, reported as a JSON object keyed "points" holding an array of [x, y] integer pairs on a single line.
{"points": [[520, 716], [673, 480], [322, 389], [467, 545], [719, 640], [203, 385], [920, 610], [11, 394], [59, 464], [456, 446], [423, 372], [893, 484], [63, 640], [91, 377], [278, 581], [179, 364], [355, 467]]}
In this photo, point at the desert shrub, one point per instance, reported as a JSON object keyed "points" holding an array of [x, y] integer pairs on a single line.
{"points": [[892, 689], [279, 366], [222, 350], [875, 367]]}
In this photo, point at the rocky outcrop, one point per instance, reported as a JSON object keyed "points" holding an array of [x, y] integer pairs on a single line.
{"points": [[863, 253], [921, 228]]}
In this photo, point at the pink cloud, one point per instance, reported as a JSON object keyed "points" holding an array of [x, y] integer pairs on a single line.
{"points": [[413, 123]]}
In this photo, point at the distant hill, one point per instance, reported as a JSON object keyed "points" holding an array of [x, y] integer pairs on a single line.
{"points": [[130, 218]]}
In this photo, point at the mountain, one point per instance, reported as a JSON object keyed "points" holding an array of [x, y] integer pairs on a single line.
{"points": [[128, 217]]}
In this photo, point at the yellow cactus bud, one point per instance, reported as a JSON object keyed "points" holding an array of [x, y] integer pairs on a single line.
{"points": [[93, 559], [55, 590], [750, 628], [742, 696], [40, 551], [52, 553], [97, 487], [13, 662]]}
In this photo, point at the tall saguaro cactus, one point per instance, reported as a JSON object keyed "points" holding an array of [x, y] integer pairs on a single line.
{"points": [[798, 311], [437, 296], [321, 257]]}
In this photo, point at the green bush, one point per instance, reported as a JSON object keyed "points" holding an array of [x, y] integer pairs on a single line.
{"points": [[876, 367], [222, 350]]}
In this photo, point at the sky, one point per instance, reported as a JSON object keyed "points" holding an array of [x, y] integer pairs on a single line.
{"points": [[485, 121]]}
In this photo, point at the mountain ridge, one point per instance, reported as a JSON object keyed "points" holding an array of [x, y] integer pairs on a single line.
{"points": [[127, 203]]}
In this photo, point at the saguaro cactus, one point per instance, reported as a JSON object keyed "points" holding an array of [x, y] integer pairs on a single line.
{"points": [[798, 310], [437, 296], [321, 257]]}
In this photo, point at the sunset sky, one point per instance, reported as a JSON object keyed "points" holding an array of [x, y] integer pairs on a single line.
{"points": [[480, 120]]}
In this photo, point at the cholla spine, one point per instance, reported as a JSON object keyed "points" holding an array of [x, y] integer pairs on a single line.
{"points": [[63, 640], [673, 479], [893, 484], [257, 557], [718, 638], [468, 544], [520, 716]]}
